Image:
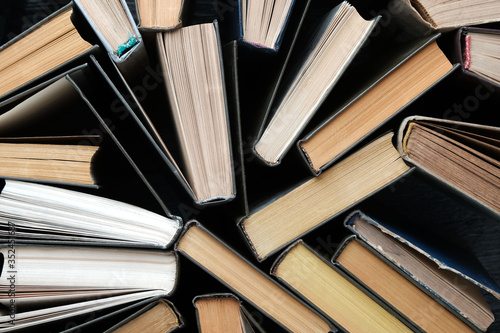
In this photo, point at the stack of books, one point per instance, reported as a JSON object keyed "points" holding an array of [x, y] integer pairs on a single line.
{"points": [[250, 166]]}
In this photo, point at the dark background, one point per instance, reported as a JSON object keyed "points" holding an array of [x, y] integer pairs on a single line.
{"points": [[415, 199]]}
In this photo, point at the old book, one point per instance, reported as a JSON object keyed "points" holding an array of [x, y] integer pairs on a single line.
{"points": [[248, 282], [191, 62], [221, 313], [330, 50], [424, 16], [413, 72], [463, 156], [475, 50], [283, 219], [354, 257], [263, 22], [158, 317], [448, 274], [158, 15], [322, 284], [45, 46], [78, 280], [112, 23], [59, 159]]}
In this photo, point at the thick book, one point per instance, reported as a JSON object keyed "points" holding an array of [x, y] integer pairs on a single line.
{"points": [[462, 156], [330, 49], [348, 304], [366, 266], [191, 62], [285, 217], [414, 67], [445, 272], [475, 50], [223, 312], [160, 15], [248, 282], [40, 213], [160, 316], [188, 124], [78, 280], [420, 17]]}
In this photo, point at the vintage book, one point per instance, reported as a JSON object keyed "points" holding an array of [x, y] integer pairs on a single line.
{"points": [[191, 62], [475, 50], [37, 212], [45, 46], [78, 280], [159, 15], [322, 284], [263, 22], [366, 267], [441, 269], [221, 313], [247, 281], [57, 158], [286, 217], [463, 156], [425, 16], [160, 316], [414, 71], [112, 23], [330, 50]]}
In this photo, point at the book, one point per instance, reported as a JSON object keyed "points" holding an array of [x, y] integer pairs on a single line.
{"points": [[60, 159], [221, 313], [322, 59], [78, 280], [160, 316], [473, 51], [52, 42], [357, 260], [351, 308], [112, 23], [263, 22], [445, 272], [194, 83], [416, 69], [462, 156], [425, 16], [42, 213], [159, 15], [200, 246], [284, 218]]}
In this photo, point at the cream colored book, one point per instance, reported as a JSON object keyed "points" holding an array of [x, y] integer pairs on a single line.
{"points": [[191, 63], [328, 53], [319, 199]]}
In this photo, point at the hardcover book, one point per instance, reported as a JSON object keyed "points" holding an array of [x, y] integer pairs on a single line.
{"points": [[445, 272]]}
